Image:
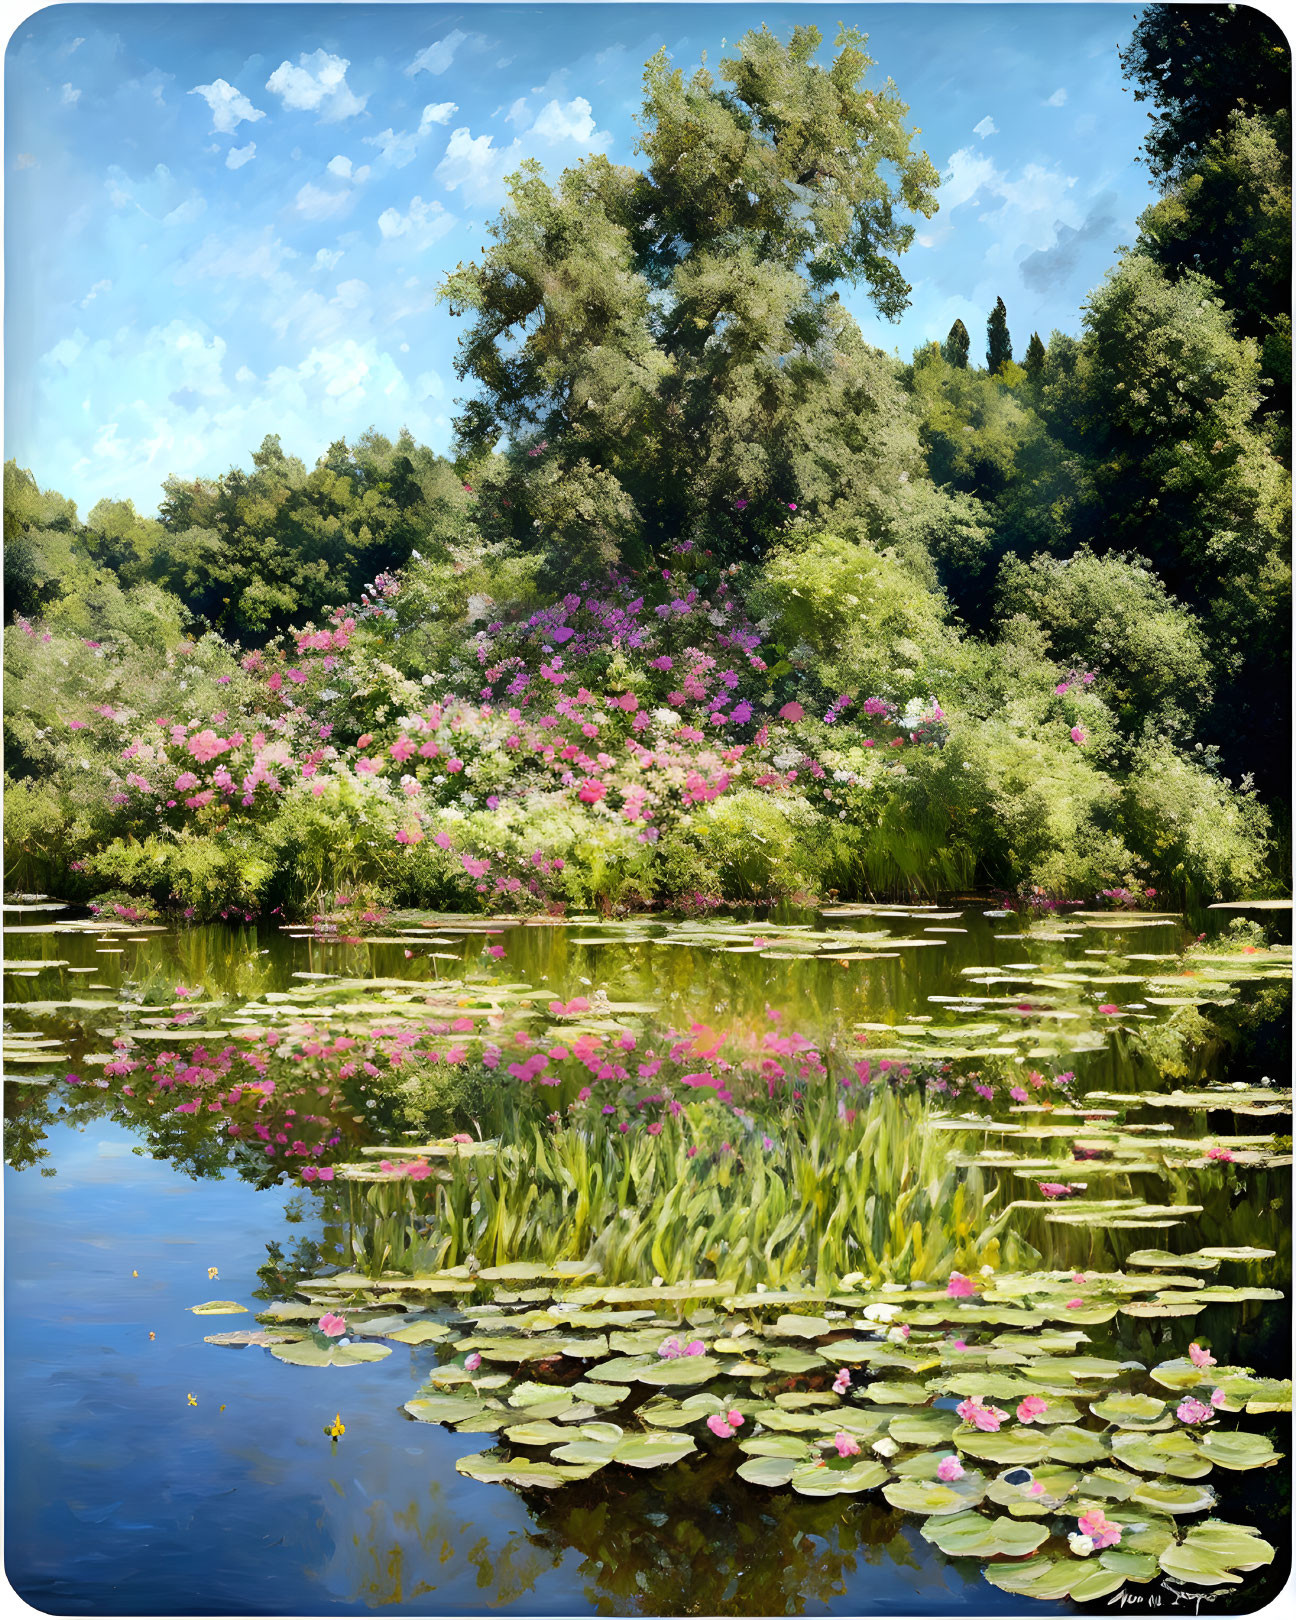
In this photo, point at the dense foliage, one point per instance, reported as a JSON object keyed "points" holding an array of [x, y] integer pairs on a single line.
{"points": [[717, 601]]}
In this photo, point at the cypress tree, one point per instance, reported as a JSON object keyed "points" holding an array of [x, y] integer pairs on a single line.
{"points": [[957, 346], [1034, 361], [997, 338]]}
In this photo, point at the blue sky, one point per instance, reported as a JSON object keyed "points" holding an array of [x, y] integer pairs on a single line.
{"points": [[227, 221]]}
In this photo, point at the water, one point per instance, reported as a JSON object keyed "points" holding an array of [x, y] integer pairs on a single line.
{"points": [[152, 1473]]}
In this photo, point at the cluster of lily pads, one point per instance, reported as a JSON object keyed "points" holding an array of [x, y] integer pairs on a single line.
{"points": [[976, 1405]]}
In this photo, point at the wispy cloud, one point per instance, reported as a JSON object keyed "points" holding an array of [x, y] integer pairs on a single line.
{"points": [[987, 126], [229, 107]]}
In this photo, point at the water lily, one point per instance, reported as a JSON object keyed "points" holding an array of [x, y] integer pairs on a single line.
{"points": [[472, 1362], [1031, 1408], [723, 1424], [847, 1445], [1200, 1357], [332, 1326], [949, 1469], [1099, 1529], [980, 1416], [1191, 1410], [959, 1286], [842, 1381]]}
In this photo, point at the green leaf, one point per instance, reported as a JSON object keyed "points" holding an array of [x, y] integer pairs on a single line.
{"points": [[307, 1354], [973, 1535]]}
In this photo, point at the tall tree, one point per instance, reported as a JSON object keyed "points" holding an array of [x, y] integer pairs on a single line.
{"points": [[957, 346], [663, 349], [1198, 65], [998, 340], [1036, 354]]}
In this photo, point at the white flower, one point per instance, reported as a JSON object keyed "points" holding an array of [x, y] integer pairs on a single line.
{"points": [[666, 717], [880, 1312], [1082, 1546], [427, 680]]}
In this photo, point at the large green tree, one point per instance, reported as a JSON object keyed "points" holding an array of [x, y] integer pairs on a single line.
{"points": [[662, 354], [1198, 65]]}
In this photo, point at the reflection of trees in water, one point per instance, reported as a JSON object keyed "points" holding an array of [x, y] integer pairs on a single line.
{"points": [[691, 1539], [695, 1539]]}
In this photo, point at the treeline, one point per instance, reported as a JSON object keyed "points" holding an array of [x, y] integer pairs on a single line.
{"points": [[665, 383]]}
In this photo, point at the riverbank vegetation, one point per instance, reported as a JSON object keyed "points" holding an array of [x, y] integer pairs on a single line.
{"points": [[715, 601]]}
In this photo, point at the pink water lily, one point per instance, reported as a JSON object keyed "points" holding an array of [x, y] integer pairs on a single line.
{"points": [[847, 1445], [979, 1415], [723, 1424], [333, 1326], [1099, 1528], [959, 1286], [473, 1361], [1031, 1408], [842, 1381], [1218, 1397], [1191, 1410], [1200, 1357], [949, 1469]]}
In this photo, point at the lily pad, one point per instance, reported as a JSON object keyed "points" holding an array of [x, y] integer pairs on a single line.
{"points": [[220, 1307], [1210, 1554], [306, 1353], [974, 1535]]}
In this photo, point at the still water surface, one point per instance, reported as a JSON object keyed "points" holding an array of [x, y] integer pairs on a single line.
{"points": [[151, 1473]]}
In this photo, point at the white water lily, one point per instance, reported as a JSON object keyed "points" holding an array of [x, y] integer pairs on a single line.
{"points": [[880, 1312], [1082, 1546]]}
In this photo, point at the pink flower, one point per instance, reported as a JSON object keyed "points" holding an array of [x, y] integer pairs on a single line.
{"points": [[695, 1347], [1200, 1357], [206, 745], [847, 1445], [1109, 1007], [1074, 1304], [723, 1424], [980, 1416], [959, 1344], [1056, 1189], [333, 1326], [1099, 1528], [670, 1349], [791, 711], [1218, 1397], [475, 868], [472, 1362], [960, 1287], [949, 1469], [842, 1381], [1221, 1154], [1079, 734], [1031, 1408], [1192, 1410]]}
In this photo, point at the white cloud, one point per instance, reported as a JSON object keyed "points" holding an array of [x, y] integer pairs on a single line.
{"points": [[317, 84], [1057, 99], [311, 202], [99, 286], [519, 114], [71, 95], [440, 112], [968, 171], [326, 258], [398, 150], [241, 256], [25, 160], [477, 167], [340, 166], [229, 107], [186, 212], [436, 58], [420, 227], [237, 156], [573, 122], [987, 126]]}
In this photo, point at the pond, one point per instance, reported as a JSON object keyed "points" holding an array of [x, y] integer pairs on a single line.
{"points": [[899, 1259]]}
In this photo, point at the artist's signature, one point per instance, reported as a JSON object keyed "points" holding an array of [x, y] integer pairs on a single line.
{"points": [[1171, 1594]]}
